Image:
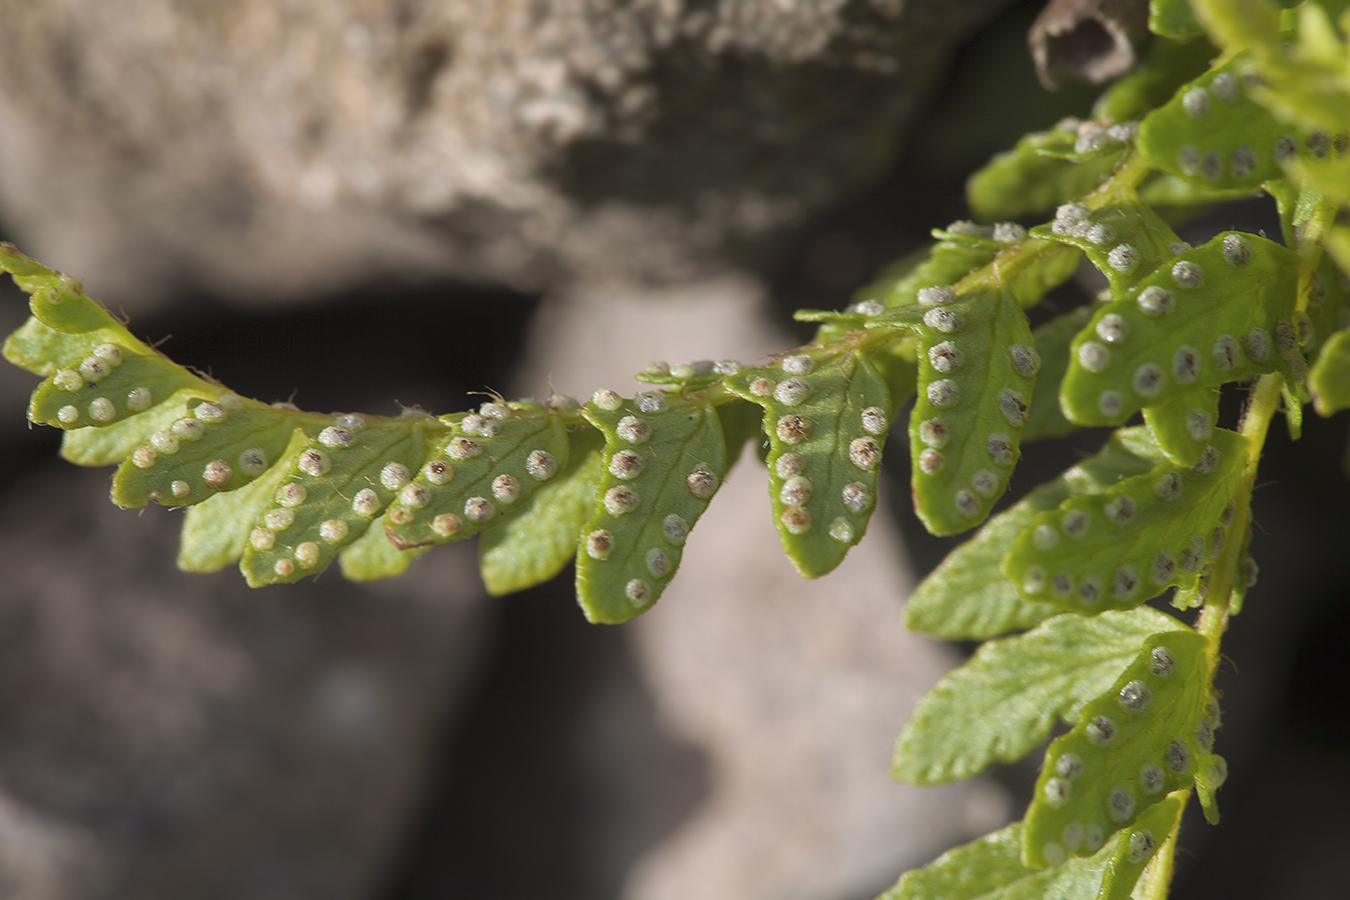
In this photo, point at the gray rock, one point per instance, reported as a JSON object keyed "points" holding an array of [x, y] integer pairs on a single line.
{"points": [[268, 149]]}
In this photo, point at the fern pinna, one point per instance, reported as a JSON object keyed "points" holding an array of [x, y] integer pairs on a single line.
{"points": [[1231, 100]]}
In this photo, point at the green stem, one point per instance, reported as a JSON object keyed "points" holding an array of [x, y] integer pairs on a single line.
{"points": [[1156, 882]]}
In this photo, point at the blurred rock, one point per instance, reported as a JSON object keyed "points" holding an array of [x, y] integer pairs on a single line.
{"points": [[165, 735], [266, 150]]}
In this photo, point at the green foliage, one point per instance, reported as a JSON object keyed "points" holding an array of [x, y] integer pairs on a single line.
{"points": [[1232, 99]]}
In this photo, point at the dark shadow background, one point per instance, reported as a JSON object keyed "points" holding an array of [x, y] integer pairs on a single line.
{"points": [[504, 820]]}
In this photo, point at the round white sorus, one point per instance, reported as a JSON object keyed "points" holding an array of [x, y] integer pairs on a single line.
{"points": [[969, 228], [1123, 258], [936, 296], [933, 432], [231, 401], [796, 364], [793, 429], [620, 500], [1155, 301], [637, 591], [291, 495], [658, 563], [479, 426], [278, 519], [217, 473], [1188, 160], [762, 387], [110, 354], [1192, 554], [414, 495], [607, 400], [1100, 731], [333, 530], [1033, 580], [252, 462], [1093, 837], [366, 503], [1013, 405], [1053, 853], [1286, 146], [479, 510], [841, 530], [1162, 662], [262, 539], [1089, 590], [1208, 463], [625, 465], [1163, 568], [1072, 837], [494, 410], [541, 465], [633, 430], [102, 410], [335, 438], [1217, 772], [1141, 845], [1318, 144], [69, 415], [1119, 510], [1303, 328], [1196, 102], [1243, 163], [651, 402], [792, 391], [984, 482], [1151, 778], [1061, 585], [562, 401], [1185, 364], [674, 529], [930, 462], [599, 544], [795, 491], [943, 320], [966, 503], [314, 462], [857, 498], [188, 429], [307, 554], [210, 413], [1250, 571], [789, 464], [1009, 232], [1045, 537], [1110, 404], [1056, 793], [1123, 131], [284, 568], [1177, 759], [874, 420], [447, 525], [1168, 486], [67, 380], [180, 489], [1229, 511], [1225, 87], [1025, 360], [731, 367], [1225, 352], [1258, 344], [1000, 448], [1100, 233], [143, 458], [1216, 542], [394, 475], [1076, 523], [702, 483], [461, 448], [864, 453], [946, 357], [1135, 696], [1125, 582], [1093, 356], [1113, 328], [796, 520], [1199, 424], [1070, 213], [93, 369], [943, 393], [1187, 274], [1286, 339], [1069, 766], [139, 399]]}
